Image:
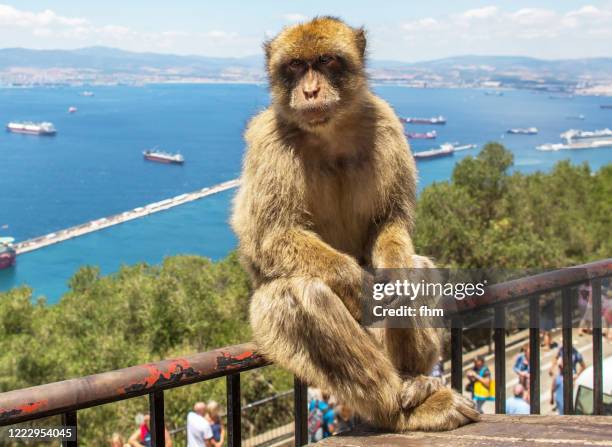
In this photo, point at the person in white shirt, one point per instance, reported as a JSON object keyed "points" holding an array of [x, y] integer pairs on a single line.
{"points": [[199, 432]]}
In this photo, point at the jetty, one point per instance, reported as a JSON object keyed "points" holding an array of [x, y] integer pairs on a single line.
{"points": [[136, 213]]}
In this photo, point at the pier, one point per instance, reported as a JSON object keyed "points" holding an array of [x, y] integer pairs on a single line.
{"points": [[136, 213]]}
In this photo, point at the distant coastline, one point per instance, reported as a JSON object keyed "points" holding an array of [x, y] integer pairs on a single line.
{"points": [[109, 66]]}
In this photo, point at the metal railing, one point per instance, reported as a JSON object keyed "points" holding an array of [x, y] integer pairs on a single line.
{"points": [[530, 289], [67, 397]]}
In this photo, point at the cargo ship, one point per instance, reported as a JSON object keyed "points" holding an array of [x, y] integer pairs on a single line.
{"points": [[439, 120], [163, 157], [574, 134], [597, 144], [422, 136], [606, 106], [7, 252], [31, 128], [523, 131], [445, 150]]}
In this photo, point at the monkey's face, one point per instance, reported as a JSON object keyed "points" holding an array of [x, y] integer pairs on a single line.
{"points": [[316, 70]]}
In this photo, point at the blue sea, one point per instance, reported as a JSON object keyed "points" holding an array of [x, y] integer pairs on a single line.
{"points": [[94, 167]]}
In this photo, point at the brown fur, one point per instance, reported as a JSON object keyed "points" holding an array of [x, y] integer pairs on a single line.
{"points": [[323, 202]]}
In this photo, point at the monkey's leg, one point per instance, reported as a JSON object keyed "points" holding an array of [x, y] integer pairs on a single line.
{"points": [[413, 352], [303, 326]]}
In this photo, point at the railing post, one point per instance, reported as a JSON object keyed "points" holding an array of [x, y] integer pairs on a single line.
{"points": [[69, 419], [457, 355], [568, 367], [300, 402], [156, 414], [500, 359], [534, 355], [234, 411], [597, 348]]}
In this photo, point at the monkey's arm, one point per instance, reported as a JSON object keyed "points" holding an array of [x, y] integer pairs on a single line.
{"points": [[392, 246], [300, 252]]}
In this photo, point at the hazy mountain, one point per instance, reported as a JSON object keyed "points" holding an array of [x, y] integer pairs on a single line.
{"points": [[102, 64]]}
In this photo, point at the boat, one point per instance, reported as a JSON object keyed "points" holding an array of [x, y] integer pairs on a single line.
{"points": [[422, 136], [87, 93], [8, 255], [605, 106], [523, 131], [72, 109], [163, 157], [31, 128], [465, 147], [435, 120], [494, 93], [576, 117], [597, 144], [445, 150], [575, 134]]}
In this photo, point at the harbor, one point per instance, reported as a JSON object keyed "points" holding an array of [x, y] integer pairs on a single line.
{"points": [[105, 222]]}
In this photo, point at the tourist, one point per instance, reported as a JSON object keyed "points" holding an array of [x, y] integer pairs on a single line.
{"points": [[199, 431], [578, 364], [521, 366], [547, 322], [517, 403], [345, 420], [556, 392], [321, 418], [214, 419], [142, 435], [479, 382], [117, 441], [585, 302]]}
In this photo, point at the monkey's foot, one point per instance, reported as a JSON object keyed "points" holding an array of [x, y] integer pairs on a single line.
{"points": [[416, 389], [443, 410]]}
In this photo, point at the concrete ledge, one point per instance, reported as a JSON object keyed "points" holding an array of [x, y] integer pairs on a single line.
{"points": [[493, 430]]}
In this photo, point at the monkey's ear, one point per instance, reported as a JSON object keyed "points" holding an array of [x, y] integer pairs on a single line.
{"points": [[360, 40], [267, 47]]}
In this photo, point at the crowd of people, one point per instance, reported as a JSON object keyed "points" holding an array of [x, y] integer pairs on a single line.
{"points": [[326, 416], [204, 428]]}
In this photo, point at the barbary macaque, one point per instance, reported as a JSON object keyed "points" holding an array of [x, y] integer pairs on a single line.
{"points": [[327, 197]]}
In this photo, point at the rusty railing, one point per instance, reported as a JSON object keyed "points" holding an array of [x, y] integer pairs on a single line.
{"points": [[67, 397]]}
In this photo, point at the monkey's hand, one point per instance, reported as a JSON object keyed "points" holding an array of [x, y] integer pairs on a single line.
{"points": [[445, 409], [351, 283]]}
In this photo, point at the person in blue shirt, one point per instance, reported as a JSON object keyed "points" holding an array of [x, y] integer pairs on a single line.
{"points": [[517, 404], [578, 364], [321, 417], [556, 393], [521, 366]]}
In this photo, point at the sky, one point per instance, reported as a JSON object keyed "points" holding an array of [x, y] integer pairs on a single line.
{"points": [[396, 30]]}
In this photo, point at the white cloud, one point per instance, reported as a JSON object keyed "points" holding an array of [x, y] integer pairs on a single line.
{"points": [[48, 29], [426, 24], [535, 31], [480, 13], [218, 34], [295, 17], [10, 16]]}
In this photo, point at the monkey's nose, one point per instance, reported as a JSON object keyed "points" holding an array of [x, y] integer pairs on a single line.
{"points": [[311, 93]]}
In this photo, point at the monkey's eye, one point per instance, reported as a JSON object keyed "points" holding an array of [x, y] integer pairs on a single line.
{"points": [[325, 59], [296, 63]]}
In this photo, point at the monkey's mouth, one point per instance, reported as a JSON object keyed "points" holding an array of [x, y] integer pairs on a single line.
{"points": [[317, 115]]}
